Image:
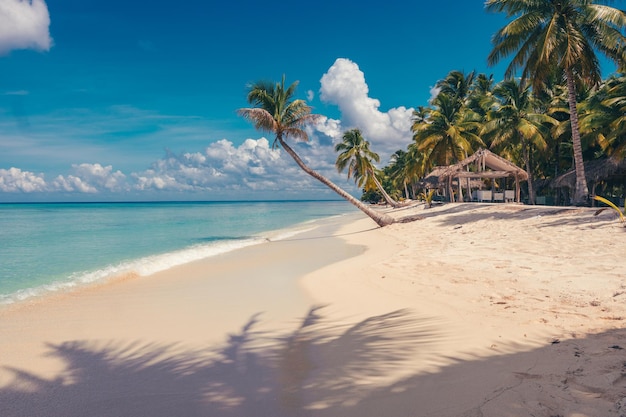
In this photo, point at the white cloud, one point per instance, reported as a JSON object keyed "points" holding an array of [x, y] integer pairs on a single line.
{"points": [[102, 177], [16, 180], [344, 85], [222, 166], [24, 24], [91, 178], [329, 127], [434, 92], [72, 183]]}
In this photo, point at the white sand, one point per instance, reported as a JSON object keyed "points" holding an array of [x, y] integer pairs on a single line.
{"points": [[475, 310]]}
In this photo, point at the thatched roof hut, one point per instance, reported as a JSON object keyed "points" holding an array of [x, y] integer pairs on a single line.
{"points": [[605, 169], [482, 164]]}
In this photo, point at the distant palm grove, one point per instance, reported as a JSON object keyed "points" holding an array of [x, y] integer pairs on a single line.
{"points": [[553, 113], [559, 115]]}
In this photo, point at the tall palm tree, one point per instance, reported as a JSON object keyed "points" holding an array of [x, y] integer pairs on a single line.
{"points": [[515, 124], [562, 34], [276, 111], [359, 158]]}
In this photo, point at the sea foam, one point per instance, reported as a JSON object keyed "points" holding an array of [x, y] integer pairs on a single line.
{"points": [[141, 267]]}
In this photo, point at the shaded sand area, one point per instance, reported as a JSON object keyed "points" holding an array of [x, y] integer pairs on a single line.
{"points": [[474, 310]]}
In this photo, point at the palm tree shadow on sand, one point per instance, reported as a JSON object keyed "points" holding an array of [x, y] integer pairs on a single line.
{"points": [[319, 369], [251, 374]]}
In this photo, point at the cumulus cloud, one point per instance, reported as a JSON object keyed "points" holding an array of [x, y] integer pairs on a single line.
{"points": [[24, 24], [344, 85], [222, 166], [91, 178], [16, 180]]}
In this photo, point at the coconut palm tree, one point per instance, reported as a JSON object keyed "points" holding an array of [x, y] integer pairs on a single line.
{"points": [[358, 157], [276, 111], [448, 133], [516, 124], [397, 171], [605, 118], [456, 84], [562, 34]]}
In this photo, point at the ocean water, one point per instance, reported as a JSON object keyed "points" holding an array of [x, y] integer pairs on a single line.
{"points": [[51, 247]]}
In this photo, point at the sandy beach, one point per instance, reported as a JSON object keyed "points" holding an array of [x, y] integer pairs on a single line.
{"points": [[473, 310]]}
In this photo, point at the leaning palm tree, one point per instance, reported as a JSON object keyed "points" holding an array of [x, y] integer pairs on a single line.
{"points": [[276, 111], [515, 124], [356, 155], [562, 34]]}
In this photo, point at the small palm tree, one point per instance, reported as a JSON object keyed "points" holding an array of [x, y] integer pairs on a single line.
{"points": [[561, 34], [398, 173], [358, 157], [277, 112]]}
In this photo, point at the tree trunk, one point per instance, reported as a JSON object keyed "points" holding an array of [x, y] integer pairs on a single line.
{"points": [[393, 203], [581, 192], [381, 219], [531, 190]]}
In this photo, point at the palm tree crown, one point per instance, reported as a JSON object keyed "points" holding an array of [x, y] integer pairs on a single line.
{"points": [[561, 33], [276, 111]]}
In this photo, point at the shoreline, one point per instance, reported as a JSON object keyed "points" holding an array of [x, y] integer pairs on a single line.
{"points": [[149, 265], [476, 308]]}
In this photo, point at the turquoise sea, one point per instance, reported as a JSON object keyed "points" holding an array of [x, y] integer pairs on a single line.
{"points": [[51, 247]]}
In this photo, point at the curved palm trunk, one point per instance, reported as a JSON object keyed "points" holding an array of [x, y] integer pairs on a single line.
{"points": [[381, 219], [582, 191], [393, 203]]}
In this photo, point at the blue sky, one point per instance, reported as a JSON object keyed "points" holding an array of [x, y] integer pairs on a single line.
{"points": [[117, 100]]}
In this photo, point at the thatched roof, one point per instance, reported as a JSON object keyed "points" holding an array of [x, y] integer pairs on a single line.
{"points": [[488, 165], [597, 170], [434, 177]]}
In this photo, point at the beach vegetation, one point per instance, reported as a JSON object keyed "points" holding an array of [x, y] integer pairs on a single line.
{"points": [[427, 197], [355, 155], [276, 111], [621, 213], [563, 36]]}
